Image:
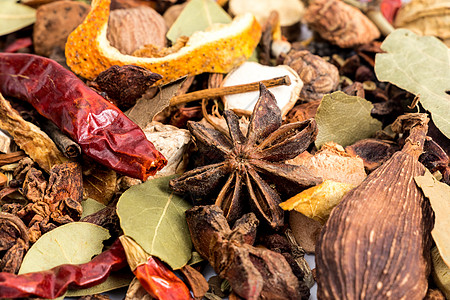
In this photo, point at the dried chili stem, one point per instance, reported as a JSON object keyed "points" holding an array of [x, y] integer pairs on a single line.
{"points": [[229, 90]]}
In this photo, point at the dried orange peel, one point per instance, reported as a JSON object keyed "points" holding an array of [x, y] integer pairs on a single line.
{"points": [[220, 49]]}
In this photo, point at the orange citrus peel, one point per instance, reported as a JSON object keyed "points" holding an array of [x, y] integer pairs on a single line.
{"points": [[219, 49]]}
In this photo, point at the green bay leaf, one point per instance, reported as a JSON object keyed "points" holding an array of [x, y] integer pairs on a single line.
{"points": [[153, 216], [197, 16], [15, 16], [90, 206], [420, 65], [72, 243], [115, 280], [344, 119]]}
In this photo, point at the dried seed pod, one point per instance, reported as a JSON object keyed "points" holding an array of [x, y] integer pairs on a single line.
{"points": [[373, 152], [376, 243], [340, 23], [319, 77]]}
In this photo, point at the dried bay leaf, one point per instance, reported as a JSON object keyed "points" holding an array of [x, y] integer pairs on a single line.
{"points": [[90, 206], [197, 16], [438, 194], [72, 243], [115, 280], [153, 216], [344, 119], [15, 16], [420, 65], [143, 112]]}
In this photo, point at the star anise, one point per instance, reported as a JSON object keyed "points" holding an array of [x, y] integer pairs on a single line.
{"points": [[254, 161]]}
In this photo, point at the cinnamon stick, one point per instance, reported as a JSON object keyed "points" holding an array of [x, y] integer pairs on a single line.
{"points": [[228, 90], [68, 147]]}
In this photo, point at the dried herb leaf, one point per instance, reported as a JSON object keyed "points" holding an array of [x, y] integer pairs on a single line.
{"points": [[115, 280], [197, 16], [15, 16], [90, 206], [146, 108], [440, 272], [72, 243], [421, 66], [344, 119], [438, 194], [153, 216], [318, 201]]}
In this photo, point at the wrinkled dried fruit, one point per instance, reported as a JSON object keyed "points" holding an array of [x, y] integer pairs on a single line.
{"points": [[88, 51]]}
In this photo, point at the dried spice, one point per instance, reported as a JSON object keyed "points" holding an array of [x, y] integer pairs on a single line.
{"points": [[155, 277], [54, 282], [253, 273], [14, 242], [305, 230], [196, 281], [333, 163], [66, 145], [57, 201], [376, 243], [426, 17], [124, 85], [440, 272], [373, 152], [100, 128], [241, 158], [88, 51], [131, 28], [434, 158], [319, 77], [29, 137], [340, 23]]}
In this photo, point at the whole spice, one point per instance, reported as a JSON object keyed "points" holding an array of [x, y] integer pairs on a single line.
{"points": [[340, 23], [253, 273], [101, 129], [53, 283], [376, 243], [241, 158], [14, 242], [319, 77], [156, 278]]}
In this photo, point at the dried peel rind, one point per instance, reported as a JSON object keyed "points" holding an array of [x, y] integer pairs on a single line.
{"points": [[318, 201], [420, 65], [88, 51]]}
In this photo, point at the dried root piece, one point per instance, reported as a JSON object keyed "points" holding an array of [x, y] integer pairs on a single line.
{"points": [[340, 23], [254, 273], [376, 243], [29, 137]]}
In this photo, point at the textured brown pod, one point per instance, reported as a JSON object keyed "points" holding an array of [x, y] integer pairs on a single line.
{"points": [[376, 243]]}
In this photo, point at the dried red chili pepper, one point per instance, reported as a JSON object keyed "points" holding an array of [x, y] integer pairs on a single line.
{"points": [[155, 277], [18, 44], [100, 128], [54, 282], [389, 9]]}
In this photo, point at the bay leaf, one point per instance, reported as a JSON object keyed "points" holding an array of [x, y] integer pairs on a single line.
{"points": [[15, 16], [438, 194], [153, 216], [90, 206], [197, 15], [115, 280], [143, 112], [420, 65], [344, 119], [72, 243]]}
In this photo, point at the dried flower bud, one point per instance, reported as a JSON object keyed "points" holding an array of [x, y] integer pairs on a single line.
{"points": [[340, 23], [319, 77]]}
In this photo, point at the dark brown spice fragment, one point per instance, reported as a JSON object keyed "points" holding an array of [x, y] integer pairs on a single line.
{"points": [[253, 273]]}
